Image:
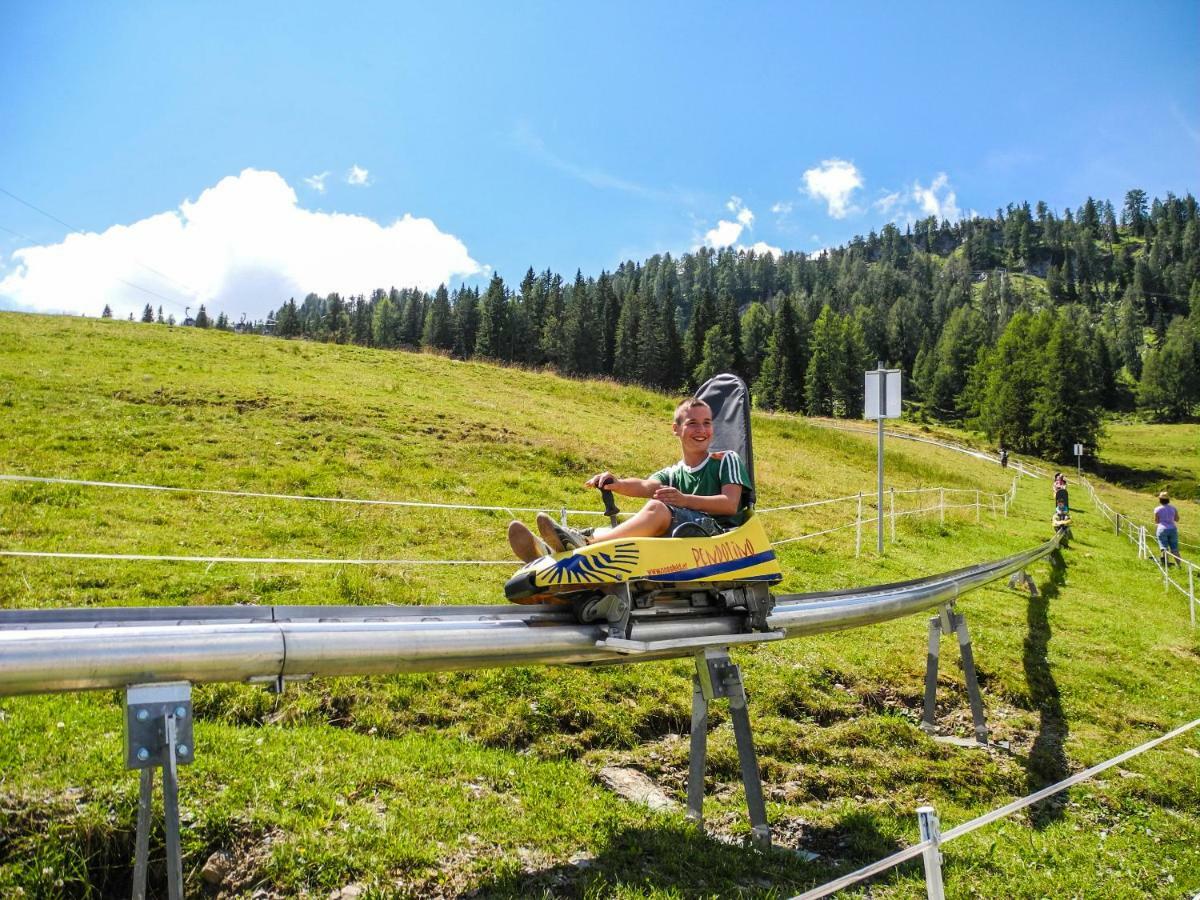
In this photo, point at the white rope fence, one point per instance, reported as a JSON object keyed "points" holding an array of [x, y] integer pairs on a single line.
{"points": [[862, 518], [932, 838], [1137, 535]]}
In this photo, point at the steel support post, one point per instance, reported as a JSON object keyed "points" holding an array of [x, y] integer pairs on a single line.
{"points": [[858, 527], [948, 619], [893, 502], [141, 852], [931, 830], [699, 750], [158, 734], [718, 676], [968, 663], [931, 672]]}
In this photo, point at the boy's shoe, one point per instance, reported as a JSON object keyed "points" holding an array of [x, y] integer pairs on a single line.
{"points": [[554, 534], [524, 544]]}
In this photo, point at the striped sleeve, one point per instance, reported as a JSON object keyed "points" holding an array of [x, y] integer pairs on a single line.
{"points": [[733, 470]]}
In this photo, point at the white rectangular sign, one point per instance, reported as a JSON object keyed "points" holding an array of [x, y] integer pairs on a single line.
{"points": [[1079, 449], [891, 401]]}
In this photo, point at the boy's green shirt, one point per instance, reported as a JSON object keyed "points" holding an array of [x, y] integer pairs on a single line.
{"points": [[707, 479]]}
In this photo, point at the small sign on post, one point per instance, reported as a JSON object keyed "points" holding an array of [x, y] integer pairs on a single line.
{"points": [[1078, 459], [882, 402]]}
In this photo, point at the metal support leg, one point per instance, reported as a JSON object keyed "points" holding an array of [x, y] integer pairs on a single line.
{"points": [[699, 750], [158, 734], [931, 673], [717, 676], [968, 663], [141, 853], [950, 620], [170, 777]]}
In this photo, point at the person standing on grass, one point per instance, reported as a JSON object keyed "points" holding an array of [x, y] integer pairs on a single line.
{"points": [[1166, 521]]}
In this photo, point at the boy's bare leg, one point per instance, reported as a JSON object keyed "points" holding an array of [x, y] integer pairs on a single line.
{"points": [[652, 520]]}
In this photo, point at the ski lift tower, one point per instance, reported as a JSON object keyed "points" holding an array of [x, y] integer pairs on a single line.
{"points": [[882, 402]]}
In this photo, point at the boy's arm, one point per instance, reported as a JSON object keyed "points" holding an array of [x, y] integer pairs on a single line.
{"points": [[629, 487], [722, 504]]}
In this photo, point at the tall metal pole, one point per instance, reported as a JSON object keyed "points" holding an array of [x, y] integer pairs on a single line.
{"points": [[879, 460]]}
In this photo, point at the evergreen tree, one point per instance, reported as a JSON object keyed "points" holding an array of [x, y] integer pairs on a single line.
{"points": [[823, 378], [160, 320], [756, 333], [704, 317], [1008, 376], [201, 318], [438, 330], [466, 321], [492, 340], [1065, 410], [148, 313], [287, 323], [717, 356], [107, 313], [1133, 214], [222, 321], [854, 359], [413, 320], [1170, 384], [625, 343], [385, 324]]}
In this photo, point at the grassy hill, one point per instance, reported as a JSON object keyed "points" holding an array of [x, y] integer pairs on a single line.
{"points": [[485, 782]]}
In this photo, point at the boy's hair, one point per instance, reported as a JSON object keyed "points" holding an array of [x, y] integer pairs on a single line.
{"points": [[682, 409]]}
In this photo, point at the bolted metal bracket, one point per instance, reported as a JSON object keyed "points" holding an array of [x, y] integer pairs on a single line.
{"points": [[147, 709]]}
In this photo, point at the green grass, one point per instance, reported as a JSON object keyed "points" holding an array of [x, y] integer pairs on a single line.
{"points": [[452, 783], [1150, 458]]}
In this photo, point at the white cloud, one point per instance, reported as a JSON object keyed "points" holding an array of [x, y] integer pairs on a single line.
{"points": [[317, 182], [244, 245], [887, 202], [938, 199], [834, 181], [724, 234], [762, 248], [727, 232], [358, 176], [741, 213], [781, 208]]}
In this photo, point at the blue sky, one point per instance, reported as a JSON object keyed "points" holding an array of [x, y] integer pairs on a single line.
{"points": [[237, 153]]}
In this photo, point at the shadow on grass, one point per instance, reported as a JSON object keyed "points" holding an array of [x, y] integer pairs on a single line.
{"points": [[1151, 479], [677, 859], [1047, 759]]}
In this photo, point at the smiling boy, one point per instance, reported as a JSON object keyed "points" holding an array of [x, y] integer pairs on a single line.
{"points": [[701, 488]]}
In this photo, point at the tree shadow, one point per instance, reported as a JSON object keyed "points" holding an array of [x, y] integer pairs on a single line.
{"points": [[676, 858], [1047, 761]]}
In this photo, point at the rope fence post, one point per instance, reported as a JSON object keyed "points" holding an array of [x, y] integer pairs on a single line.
{"points": [[1192, 592], [858, 527], [931, 830], [942, 504], [894, 515], [976, 507]]}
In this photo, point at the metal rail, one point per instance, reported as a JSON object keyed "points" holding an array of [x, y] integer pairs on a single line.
{"points": [[52, 650]]}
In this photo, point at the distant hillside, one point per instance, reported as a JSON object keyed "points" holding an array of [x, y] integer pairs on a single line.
{"points": [[982, 316]]}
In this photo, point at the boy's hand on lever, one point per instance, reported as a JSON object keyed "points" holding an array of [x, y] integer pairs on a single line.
{"points": [[601, 481]]}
